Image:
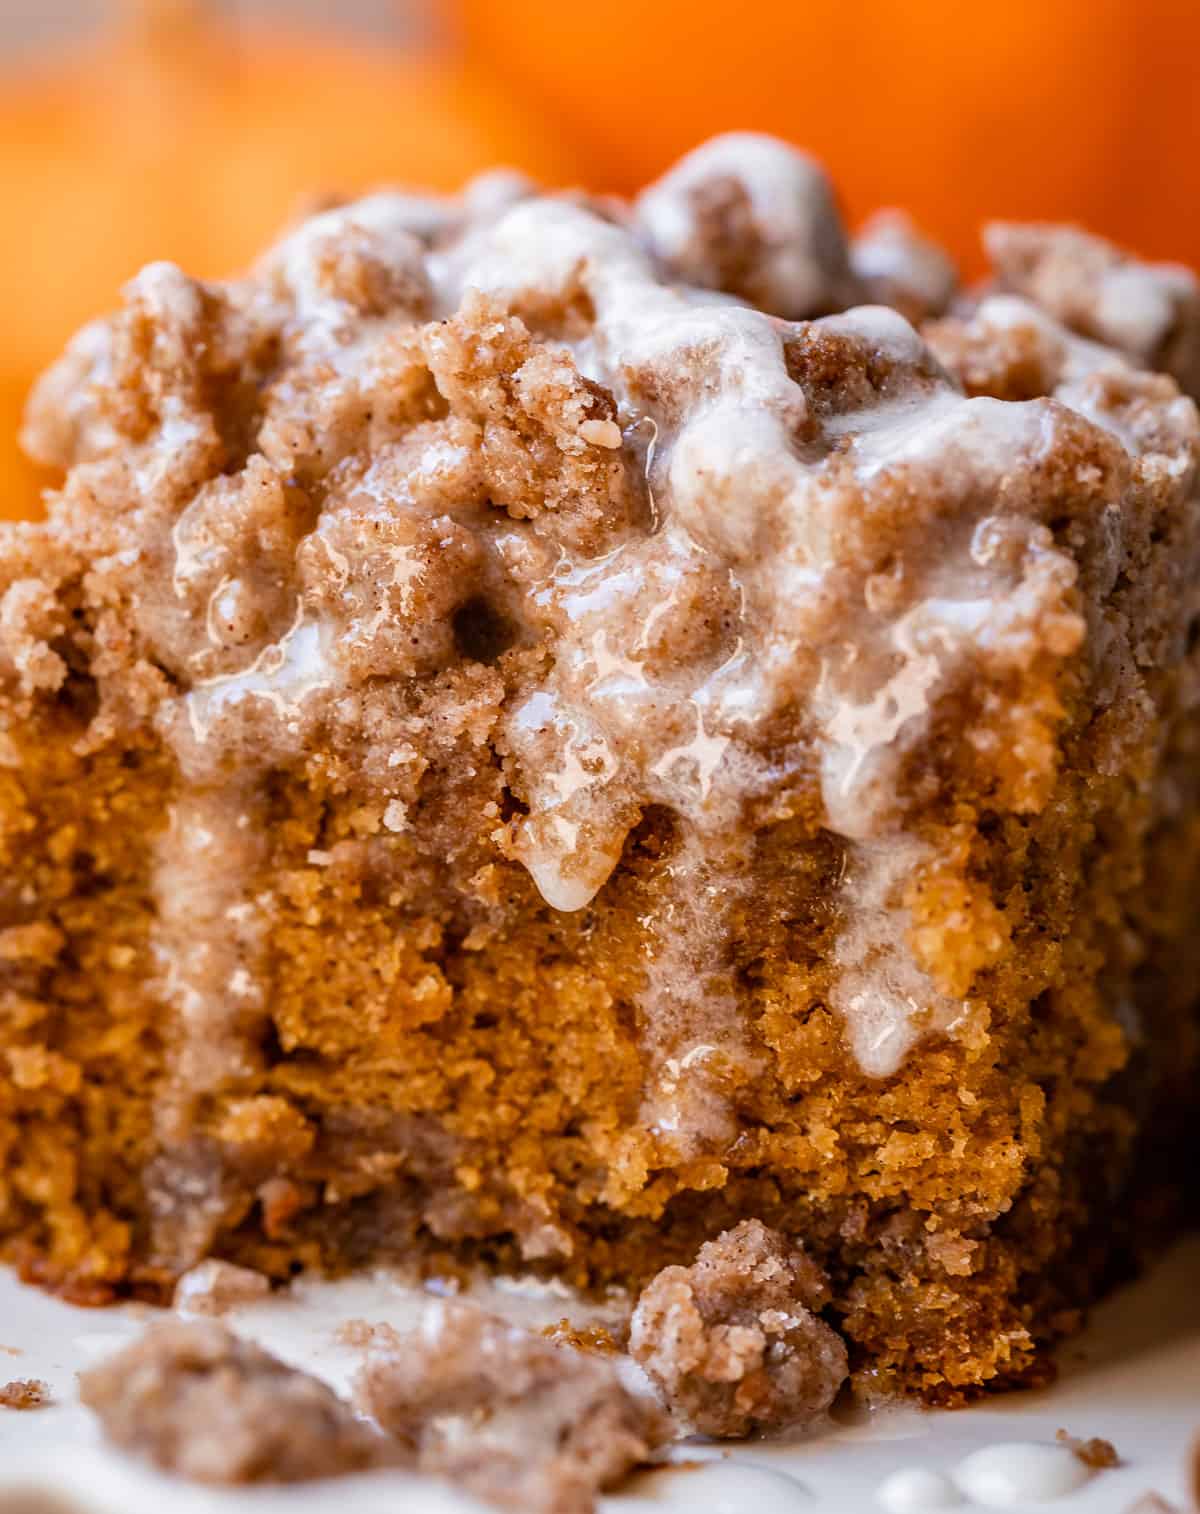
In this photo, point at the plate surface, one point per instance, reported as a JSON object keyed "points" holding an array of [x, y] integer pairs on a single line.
{"points": [[1134, 1379]]}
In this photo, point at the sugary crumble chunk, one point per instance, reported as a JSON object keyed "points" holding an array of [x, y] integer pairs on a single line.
{"points": [[754, 218], [1150, 311], [1092, 1451], [732, 1340], [593, 1337], [214, 1286], [897, 266], [360, 1333], [508, 1415], [24, 1393], [194, 1399]]}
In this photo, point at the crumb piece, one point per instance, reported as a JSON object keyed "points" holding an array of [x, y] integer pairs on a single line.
{"points": [[1094, 1453], [732, 1341], [507, 1415], [594, 1337], [1152, 1503], [24, 1393], [754, 218], [362, 1333], [601, 434], [212, 1287], [897, 266], [194, 1399], [1150, 311]]}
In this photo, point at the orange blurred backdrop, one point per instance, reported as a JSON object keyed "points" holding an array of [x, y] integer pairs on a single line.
{"points": [[189, 130]]}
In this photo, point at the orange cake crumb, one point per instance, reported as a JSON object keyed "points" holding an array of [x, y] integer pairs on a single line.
{"points": [[24, 1393]]}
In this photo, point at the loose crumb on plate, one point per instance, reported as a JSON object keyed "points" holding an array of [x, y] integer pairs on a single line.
{"points": [[506, 1414], [732, 1341], [1094, 1453], [24, 1393], [213, 1287], [196, 1400], [593, 1337], [362, 1333]]}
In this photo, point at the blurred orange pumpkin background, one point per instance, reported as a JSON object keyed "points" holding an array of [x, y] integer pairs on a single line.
{"points": [[177, 134]]}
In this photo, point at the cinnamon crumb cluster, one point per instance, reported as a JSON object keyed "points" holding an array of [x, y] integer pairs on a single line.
{"points": [[733, 1342], [197, 1400], [523, 1422], [24, 1393]]}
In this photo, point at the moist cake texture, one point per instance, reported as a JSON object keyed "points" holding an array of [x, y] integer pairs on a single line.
{"points": [[538, 729]]}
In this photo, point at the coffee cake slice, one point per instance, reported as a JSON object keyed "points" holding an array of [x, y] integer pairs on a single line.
{"points": [[512, 748]]}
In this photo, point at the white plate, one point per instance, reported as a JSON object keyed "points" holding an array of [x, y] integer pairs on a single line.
{"points": [[1133, 1379]]}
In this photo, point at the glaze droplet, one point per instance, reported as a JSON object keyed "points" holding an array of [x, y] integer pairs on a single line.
{"points": [[1018, 1472], [722, 1487], [912, 1490]]}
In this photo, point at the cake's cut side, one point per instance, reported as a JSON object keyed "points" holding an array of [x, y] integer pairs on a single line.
{"points": [[509, 752]]}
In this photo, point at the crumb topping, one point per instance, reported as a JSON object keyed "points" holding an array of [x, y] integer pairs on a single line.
{"points": [[895, 265], [196, 1400], [1093, 1452], [519, 1421], [1149, 311], [732, 1341], [24, 1393], [673, 551], [214, 1287], [749, 216]]}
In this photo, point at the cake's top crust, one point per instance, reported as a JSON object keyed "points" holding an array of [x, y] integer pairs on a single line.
{"points": [[529, 471], [1150, 311]]}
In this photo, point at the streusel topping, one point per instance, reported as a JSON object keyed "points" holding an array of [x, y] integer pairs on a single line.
{"points": [[523, 480]]}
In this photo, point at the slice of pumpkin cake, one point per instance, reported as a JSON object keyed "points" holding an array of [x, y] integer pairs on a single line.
{"points": [[539, 729]]}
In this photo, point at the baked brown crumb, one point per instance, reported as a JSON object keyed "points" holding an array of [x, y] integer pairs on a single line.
{"points": [[1149, 311], [361, 1333], [732, 1341], [594, 1337], [194, 1399], [213, 1287], [512, 1418], [897, 266], [24, 1393], [747, 215], [1094, 1453]]}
